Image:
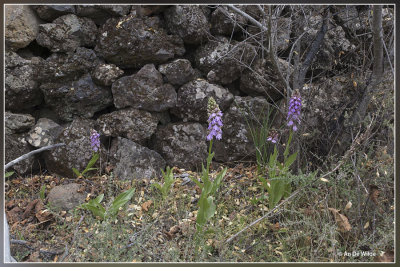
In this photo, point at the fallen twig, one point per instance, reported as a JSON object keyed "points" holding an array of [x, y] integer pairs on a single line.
{"points": [[25, 244], [27, 155], [21, 242]]}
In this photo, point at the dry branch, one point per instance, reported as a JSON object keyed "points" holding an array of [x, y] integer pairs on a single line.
{"points": [[27, 155]]}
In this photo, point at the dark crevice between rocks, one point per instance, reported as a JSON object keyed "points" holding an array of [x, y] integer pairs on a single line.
{"points": [[108, 109], [34, 50], [43, 111], [175, 118]]}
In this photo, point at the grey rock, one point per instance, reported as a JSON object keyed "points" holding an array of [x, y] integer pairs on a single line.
{"points": [[225, 22], [223, 61], [106, 74], [182, 144], [65, 67], [16, 146], [148, 10], [101, 13], [67, 33], [77, 151], [133, 124], [21, 26], [81, 98], [193, 99], [51, 12], [44, 133], [66, 197], [334, 40], [237, 143], [144, 90], [178, 72], [21, 90], [163, 117], [18, 123], [131, 42], [133, 161], [189, 22], [263, 80]]}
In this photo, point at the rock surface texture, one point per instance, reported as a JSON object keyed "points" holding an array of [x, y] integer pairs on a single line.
{"points": [[77, 150], [131, 42], [21, 88], [142, 76], [144, 90], [66, 197], [133, 161], [21, 26], [182, 144]]}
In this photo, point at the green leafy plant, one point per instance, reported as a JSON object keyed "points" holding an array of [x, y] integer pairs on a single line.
{"points": [[279, 185], [168, 181], [98, 210], [42, 192], [8, 174], [208, 188], [259, 129], [89, 166]]}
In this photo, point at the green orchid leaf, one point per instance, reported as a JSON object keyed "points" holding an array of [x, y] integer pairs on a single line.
{"points": [[120, 201]]}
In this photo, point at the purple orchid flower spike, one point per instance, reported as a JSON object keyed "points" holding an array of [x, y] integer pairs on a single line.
{"points": [[95, 140], [294, 111], [214, 120]]}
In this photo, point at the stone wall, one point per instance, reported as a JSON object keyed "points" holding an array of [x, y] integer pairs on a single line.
{"points": [[140, 76]]}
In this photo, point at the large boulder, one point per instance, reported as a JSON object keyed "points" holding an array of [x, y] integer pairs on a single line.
{"points": [[222, 61], [182, 144], [131, 42], [18, 123], [21, 26], [66, 197], [136, 125], [65, 67], [193, 99], [263, 80], [178, 72], [21, 89], [81, 98], [101, 13], [226, 22], [51, 12], [44, 133], [133, 161], [106, 74], [77, 151], [237, 143], [67, 33], [189, 22], [144, 90]]}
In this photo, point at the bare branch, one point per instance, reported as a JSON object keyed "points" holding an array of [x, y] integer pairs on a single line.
{"points": [[316, 44], [27, 155], [244, 14]]}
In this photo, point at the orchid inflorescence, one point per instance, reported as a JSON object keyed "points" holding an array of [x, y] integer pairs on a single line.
{"points": [[293, 116], [273, 137], [95, 140], [214, 120]]}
